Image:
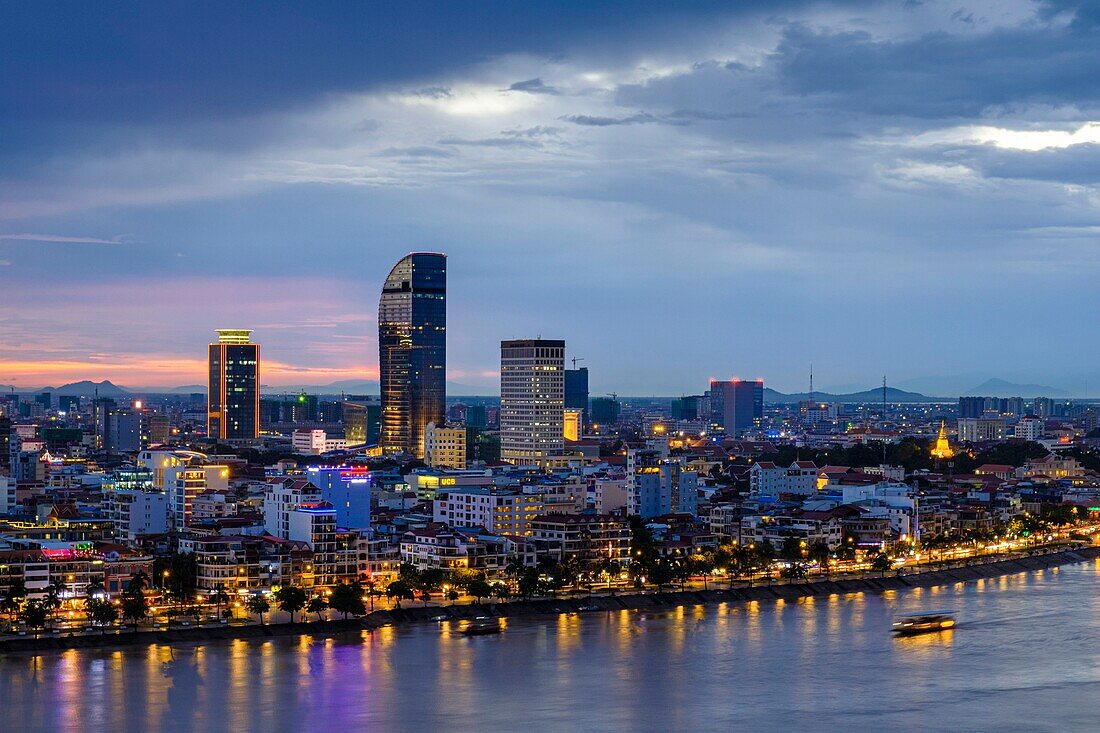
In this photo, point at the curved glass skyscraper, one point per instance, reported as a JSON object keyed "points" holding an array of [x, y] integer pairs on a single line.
{"points": [[412, 351]]}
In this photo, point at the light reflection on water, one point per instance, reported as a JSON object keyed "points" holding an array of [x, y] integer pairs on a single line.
{"points": [[1023, 658]]}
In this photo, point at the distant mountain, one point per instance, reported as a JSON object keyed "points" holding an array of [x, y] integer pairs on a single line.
{"points": [[947, 385], [367, 387], [87, 388], [1001, 388], [893, 395]]}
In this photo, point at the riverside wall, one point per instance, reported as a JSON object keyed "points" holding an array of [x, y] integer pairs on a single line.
{"points": [[549, 606]]}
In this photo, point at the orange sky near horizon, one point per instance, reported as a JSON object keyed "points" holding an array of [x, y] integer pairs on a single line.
{"points": [[161, 371]]}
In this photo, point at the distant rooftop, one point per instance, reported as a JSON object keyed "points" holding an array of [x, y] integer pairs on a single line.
{"points": [[234, 336]]}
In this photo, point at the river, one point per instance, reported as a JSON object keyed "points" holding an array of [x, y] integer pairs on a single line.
{"points": [[1023, 658]]}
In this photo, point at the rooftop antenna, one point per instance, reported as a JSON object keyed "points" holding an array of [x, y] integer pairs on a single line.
{"points": [[884, 419], [811, 383]]}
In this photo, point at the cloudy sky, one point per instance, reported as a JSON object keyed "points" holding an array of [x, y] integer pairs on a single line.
{"points": [[909, 188]]}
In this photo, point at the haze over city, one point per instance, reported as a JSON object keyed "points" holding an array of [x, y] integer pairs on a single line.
{"points": [[706, 190]]}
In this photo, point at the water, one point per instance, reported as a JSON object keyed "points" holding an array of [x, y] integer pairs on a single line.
{"points": [[1024, 658]]}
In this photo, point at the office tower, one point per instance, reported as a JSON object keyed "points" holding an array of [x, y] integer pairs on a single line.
{"points": [[362, 421], [412, 351], [124, 432], [686, 408], [476, 417], [233, 399], [532, 398], [576, 390], [971, 406], [737, 404], [605, 412], [44, 399]]}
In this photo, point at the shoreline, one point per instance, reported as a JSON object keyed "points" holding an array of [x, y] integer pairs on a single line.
{"points": [[554, 606]]}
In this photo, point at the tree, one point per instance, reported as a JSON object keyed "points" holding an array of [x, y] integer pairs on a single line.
{"points": [[609, 568], [515, 567], [528, 583], [881, 563], [453, 595], [347, 598], [317, 605], [479, 589], [138, 582], [794, 571], [259, 605], [54, 594], [791, 551], [702, 564], [372, 591], [102, 612], [765, 556], [292, 599], [134, 606], [400, 590], [819, 553], [501, 591], [14, 598], [219, 596], [34, 615], [661, 572]]}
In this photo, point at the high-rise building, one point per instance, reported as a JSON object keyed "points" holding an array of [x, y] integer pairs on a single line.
{"points": [[233, 397], [412, 351], [362, 418], [532, 399], [605, 412], [737, 404], [576, 389]]}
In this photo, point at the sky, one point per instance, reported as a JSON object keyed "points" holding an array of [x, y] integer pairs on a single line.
{"points": [[681, 191]]}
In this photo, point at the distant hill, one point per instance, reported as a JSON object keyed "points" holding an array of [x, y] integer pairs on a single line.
{"points": [[1001, 388], [893, 395], [87, 388]]}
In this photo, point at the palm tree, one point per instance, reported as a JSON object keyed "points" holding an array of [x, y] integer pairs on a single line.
{"points": [[138, 582], [14, 598], [219, 597], [54, 595]]}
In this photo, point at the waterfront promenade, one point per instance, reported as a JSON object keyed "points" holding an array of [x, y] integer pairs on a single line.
{"points": [[647, 600]]}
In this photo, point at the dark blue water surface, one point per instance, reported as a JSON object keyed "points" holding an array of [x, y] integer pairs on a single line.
{"points": [[1025, 657]]}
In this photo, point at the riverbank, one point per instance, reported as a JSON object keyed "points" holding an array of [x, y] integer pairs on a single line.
{"points": [[552, 606]]}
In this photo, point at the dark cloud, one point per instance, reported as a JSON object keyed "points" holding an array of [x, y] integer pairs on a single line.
{"points": [[941, 75], [533, 86], [639, 118]]}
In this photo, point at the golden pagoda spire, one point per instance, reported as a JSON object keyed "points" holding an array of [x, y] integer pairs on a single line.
{"points": [[942, 448]]}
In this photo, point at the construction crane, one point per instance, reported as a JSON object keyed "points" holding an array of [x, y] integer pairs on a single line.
{"points": [[575, 359]]}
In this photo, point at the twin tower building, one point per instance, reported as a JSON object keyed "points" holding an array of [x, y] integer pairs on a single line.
{"points": [[412, 372]]}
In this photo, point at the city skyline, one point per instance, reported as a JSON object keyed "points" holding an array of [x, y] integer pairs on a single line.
{"points": [[866, 186]]}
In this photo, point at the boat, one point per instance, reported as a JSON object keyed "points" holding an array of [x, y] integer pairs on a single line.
{"points": [[482, 628], [925, 622]]}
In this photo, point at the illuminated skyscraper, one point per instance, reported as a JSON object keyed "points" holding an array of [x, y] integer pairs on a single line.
{"points": [[412, 351], [532, 399], [737, 404], [233, 392]]}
